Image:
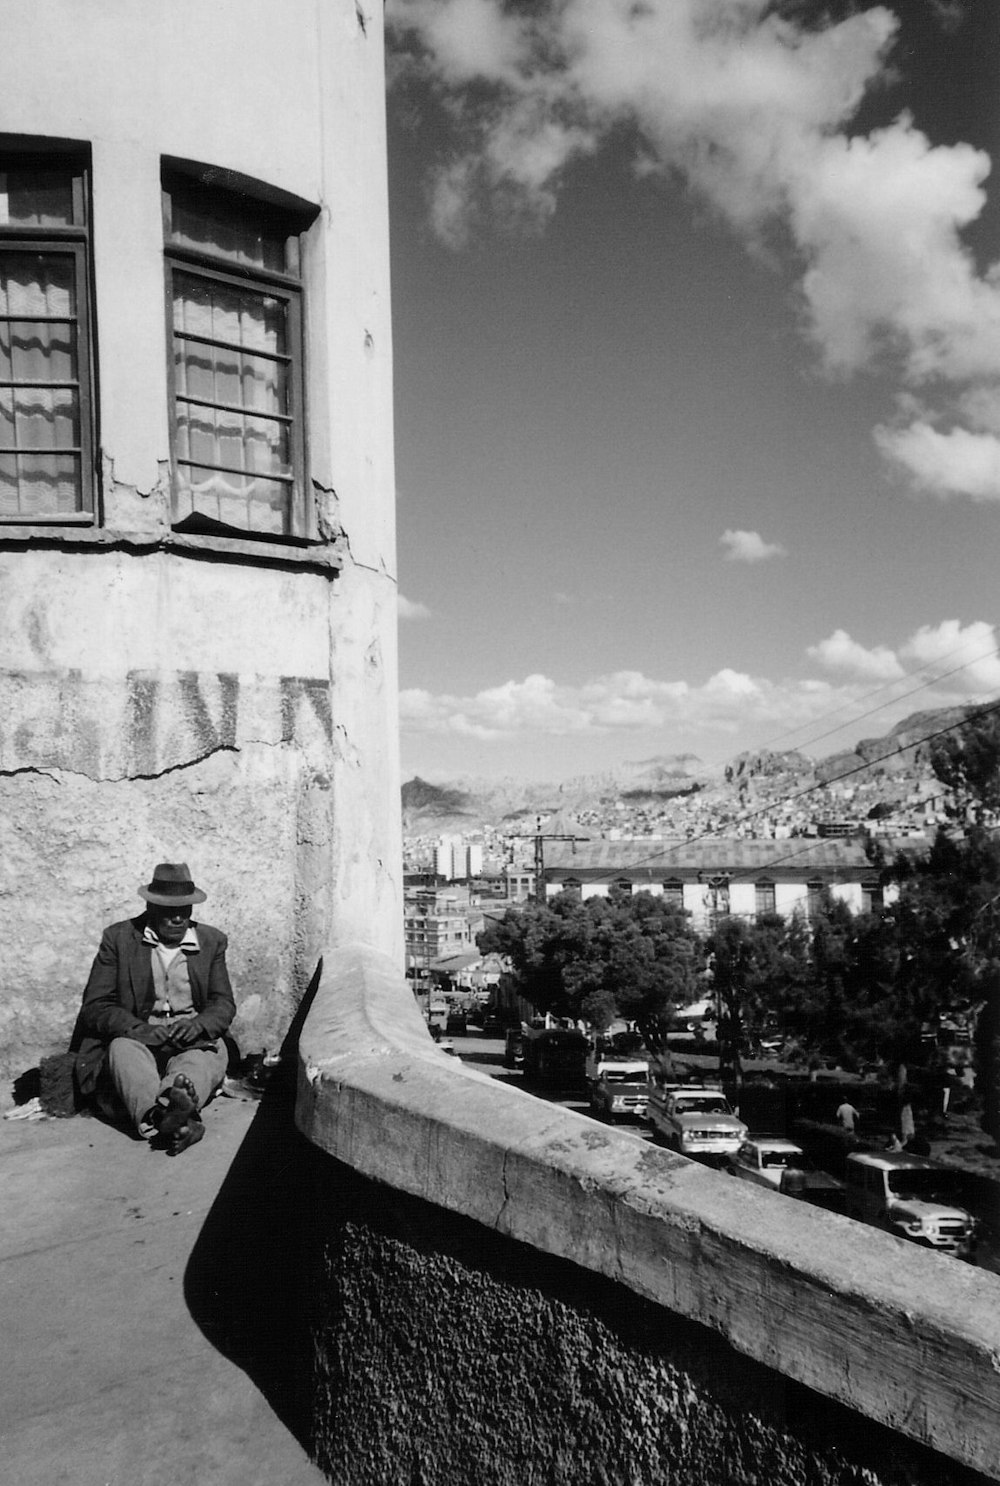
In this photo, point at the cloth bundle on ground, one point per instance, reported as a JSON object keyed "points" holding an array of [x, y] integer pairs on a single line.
{"points": [[50, 1088]]}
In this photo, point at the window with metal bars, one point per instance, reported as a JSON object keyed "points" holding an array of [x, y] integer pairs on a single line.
{"points": [[236, 380], [46, 382]]}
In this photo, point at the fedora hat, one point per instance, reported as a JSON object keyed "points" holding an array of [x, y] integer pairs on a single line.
{"points": [[171, 886]]}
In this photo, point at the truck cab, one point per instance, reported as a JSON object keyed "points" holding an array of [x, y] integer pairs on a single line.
{"points": [[696, 1121], [620, 1089]]}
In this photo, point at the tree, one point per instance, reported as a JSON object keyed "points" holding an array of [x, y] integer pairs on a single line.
{"points": [[967, 760], [731, 959], [631, 956], [959, 886]]}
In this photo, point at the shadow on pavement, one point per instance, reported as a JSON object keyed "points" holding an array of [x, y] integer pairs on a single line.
{"points": [[245, 1275]]}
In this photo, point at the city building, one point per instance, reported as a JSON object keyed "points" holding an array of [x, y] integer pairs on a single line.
{"points": [[520, 884], [715, 875], [456, 860], [438, 924]]}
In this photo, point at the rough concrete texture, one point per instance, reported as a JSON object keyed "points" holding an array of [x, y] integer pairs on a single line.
{"points": [[121, 748], [251, 825], [448, 1356], [149, 1306], [901, 1336]]}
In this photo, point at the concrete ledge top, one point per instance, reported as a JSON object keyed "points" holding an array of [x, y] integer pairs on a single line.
{"points": [[908, 1338]]}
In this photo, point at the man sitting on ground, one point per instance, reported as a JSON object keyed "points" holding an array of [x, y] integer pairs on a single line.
{"points": [[155, 1009]]}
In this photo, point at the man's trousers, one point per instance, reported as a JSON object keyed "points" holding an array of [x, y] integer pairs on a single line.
{"points": [[135, 1075]]}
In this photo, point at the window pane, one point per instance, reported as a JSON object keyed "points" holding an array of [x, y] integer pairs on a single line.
{"points": [[36, 197], [267, 446], [228, 226], [39, 485], [37, 284], [46, 418], [246, 502], [37, 351], [45, 447], [224, 395], [265, 385]]}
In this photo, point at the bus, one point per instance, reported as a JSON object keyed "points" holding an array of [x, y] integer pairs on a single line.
{"points": [[555, 1057]]}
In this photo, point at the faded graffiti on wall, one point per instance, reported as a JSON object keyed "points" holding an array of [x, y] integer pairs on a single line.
{"points": [[149, 722]]}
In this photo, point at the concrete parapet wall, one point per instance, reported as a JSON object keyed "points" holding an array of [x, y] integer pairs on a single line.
{"points": [[907, 1340]]}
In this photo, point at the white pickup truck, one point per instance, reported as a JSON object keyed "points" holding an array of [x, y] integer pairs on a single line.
{"points": [[696, 1121], [620, 1089]]}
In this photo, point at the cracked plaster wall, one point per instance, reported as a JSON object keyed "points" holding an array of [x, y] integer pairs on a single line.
{"points": [[165, 696], [158, 708]]}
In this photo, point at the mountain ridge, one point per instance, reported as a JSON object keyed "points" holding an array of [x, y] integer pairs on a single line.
{"points": [[468, 801]]}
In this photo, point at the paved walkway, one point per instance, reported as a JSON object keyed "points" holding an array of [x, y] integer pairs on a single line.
{"points": [[147, 1304]]}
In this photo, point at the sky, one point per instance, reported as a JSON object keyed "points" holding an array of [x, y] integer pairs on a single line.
{"points": [[696, 311]]}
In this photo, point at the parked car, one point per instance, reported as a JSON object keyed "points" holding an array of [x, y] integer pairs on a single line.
{"points": [[621, 1090], [698, 1122], [912, 1196], [775, 1162]]}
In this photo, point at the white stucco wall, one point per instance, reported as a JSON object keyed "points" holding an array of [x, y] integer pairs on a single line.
{"points": [[790, 897], [743, 899], [156, 702]]}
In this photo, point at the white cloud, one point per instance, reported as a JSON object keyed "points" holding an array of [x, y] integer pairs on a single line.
{"points": [[753, 108], [964, 661], [946, 661], [959, 462], [411, 608], [749, 546], [938, 665], [624, 702], [840, 653]]}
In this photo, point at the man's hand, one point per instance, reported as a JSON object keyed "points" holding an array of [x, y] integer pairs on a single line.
{"points": [[185, 1032], [153, 1034]]}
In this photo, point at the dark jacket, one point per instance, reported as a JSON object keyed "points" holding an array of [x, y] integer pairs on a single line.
{"points": [[119, 994]]}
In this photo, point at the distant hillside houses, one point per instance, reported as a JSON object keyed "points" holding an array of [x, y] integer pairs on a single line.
{"points": [[718, 875]]}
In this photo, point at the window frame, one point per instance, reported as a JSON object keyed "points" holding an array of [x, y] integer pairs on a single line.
{"points": [[673, 891], [814, 897], [872, 895], [289, 287], [764, 897], [72, 240]]}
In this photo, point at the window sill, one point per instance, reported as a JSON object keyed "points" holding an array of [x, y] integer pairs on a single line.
{"points": [[317, 557]]}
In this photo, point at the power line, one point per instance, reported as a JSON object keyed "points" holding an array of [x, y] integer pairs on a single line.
{"points": [[933, 681], [982, 711], [853, 719]]}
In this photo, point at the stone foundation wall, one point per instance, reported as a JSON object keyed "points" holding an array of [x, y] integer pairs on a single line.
{"points": [[446, 1355]]}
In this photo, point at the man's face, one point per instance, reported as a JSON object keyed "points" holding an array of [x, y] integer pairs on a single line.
{"points": [[170, 924]]}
